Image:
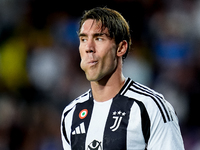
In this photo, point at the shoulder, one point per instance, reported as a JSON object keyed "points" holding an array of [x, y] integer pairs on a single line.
{"points": [[139, 92], [81, 99], [153, 101]]}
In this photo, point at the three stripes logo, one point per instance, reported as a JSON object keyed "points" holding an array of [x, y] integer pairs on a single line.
{"points": [[118, 118], [80, 129]]}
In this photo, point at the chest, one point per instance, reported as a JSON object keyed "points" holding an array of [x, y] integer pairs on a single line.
{"points": [[101, 126]]}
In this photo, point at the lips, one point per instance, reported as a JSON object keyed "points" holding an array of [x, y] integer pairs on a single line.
{"points": [[92, 62]]}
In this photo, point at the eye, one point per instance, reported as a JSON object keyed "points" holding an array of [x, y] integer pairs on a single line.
{"points": [[83, 39], [99, 39]]}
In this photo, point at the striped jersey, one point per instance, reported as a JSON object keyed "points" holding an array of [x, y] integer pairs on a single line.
{"points": [[137, 118]]}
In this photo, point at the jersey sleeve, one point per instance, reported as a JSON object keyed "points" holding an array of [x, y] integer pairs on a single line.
{"points": [[64, 138], [66, 121], [66, 145], [164, 131]]}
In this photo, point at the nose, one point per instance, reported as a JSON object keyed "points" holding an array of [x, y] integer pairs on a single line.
{"points": [[90, 46]]}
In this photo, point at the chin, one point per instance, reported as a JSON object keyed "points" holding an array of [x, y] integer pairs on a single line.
{"points": [[91, 79]]}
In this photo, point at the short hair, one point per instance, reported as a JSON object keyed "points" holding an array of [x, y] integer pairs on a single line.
{"points": [[118, 27]]}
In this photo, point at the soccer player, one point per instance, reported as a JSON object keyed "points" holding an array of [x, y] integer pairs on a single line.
{"points": [[116, 113]]}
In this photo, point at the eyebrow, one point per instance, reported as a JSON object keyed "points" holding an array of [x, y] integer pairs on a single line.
{"points": [[94, 35]]}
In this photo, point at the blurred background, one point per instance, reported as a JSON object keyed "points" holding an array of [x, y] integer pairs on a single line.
{"points": [[40, 73]]}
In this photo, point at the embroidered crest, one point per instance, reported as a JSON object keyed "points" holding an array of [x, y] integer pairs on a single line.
{"points": [[117, 115]]}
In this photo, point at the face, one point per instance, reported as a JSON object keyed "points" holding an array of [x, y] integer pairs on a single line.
{"points": [[97, 51]]}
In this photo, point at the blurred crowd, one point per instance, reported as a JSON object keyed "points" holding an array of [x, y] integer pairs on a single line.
{"points": [[40, 73]]}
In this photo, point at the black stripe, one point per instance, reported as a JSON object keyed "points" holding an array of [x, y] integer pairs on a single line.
{"points": [[63, 121], [153, 94], [163, 116], [78, 140], [63, 126], [116, 140], [145, 121], [125, 86], [145, 89]]}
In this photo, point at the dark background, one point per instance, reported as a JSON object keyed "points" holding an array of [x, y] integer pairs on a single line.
{"points": [[40, 73]]}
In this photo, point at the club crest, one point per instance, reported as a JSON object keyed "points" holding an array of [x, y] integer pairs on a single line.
{"points": [[117, 116]]}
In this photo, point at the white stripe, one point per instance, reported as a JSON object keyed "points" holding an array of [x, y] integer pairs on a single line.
{"points": [[82, 126], [160, 101], [77, 130], [158, 96], [125, 88], [69, 118], [98, 122], [74, 132], [134, 130]]}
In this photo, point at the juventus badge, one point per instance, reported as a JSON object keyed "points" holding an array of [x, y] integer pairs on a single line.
{"points": [[118, 118]]}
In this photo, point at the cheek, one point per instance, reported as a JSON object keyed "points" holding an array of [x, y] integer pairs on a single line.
{"points": [[112, 55], [82, 65], [110, 59], [80, 50], [81, 57]]}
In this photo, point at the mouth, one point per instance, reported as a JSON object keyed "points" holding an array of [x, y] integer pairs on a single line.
{"points": [[93, 62]]}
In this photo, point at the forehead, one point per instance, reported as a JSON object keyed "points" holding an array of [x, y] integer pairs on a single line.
{"points": [[92, 26]]}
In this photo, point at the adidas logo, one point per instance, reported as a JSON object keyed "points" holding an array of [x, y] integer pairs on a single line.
{"points": [[80, 129]]}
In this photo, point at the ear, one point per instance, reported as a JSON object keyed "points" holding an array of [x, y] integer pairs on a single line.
{"points": [[122, 48]]}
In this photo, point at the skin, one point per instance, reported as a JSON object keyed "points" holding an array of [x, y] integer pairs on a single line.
{"points": [[101, 60]]}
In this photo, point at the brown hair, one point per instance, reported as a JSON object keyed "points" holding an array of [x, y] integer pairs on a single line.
{"points": [[117, 26]]}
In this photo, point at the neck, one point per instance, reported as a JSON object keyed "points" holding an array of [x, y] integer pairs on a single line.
{"points": [[108, 87]]}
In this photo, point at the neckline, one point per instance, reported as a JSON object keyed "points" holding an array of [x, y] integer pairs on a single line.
{"points": [[124, 87], [104, 102]]}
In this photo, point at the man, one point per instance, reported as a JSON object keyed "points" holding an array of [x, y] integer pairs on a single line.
{"points": [[117, 113]]}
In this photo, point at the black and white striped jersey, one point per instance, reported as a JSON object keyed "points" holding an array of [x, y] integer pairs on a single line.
{"points": [[137, 118]]}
